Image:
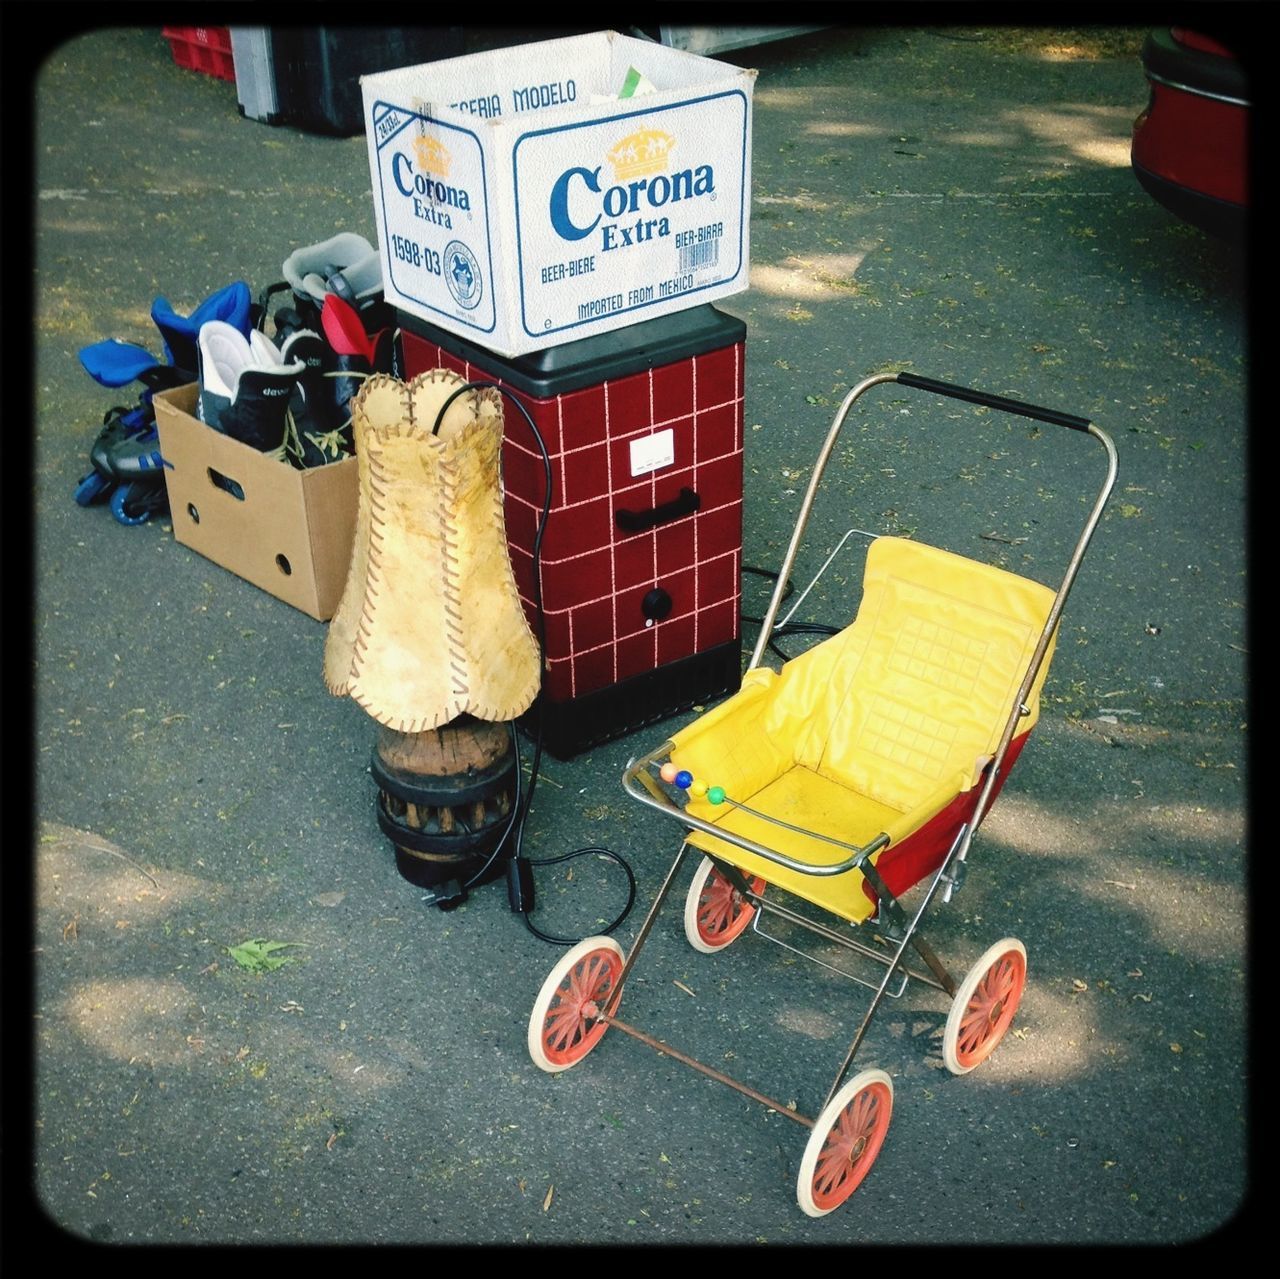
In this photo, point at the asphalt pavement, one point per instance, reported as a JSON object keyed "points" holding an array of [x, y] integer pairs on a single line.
{"points": [[952, 201]]}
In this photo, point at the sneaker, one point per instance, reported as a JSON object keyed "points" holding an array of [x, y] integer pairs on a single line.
{"points": [[246, 387], [222, 355], [357, 351], [353, 352]]}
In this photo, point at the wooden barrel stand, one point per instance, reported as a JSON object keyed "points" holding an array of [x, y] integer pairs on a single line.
{"points": [[445, 798]]}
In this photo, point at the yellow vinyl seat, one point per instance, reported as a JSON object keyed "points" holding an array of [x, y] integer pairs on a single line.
{"points": [[878, 729]]}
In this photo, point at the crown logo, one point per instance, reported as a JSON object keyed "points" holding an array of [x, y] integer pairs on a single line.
{"points": [[433, 156], [641, 153]]}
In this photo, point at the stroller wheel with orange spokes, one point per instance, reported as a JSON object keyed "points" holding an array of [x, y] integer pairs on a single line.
{"points": [[715, 912], [564, 1025], [844, 1143], [984, 1006]]}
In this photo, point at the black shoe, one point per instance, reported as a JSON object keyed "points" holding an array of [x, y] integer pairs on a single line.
{"points": [[245, 389], [323, 425]]}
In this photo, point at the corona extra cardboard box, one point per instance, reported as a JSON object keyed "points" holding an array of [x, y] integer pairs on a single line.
{"points": [[541, 194]]}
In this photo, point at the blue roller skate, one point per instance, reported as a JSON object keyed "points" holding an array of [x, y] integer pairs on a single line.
{"points": [[135, 466], [118, 425], [128, 471], [181, 333]]}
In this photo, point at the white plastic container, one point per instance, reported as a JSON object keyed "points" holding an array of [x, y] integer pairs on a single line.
{"points": [[255, 74], [521, 203]]}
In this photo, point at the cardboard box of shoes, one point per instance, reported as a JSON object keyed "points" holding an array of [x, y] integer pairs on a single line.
{"points": [[286, 530]]}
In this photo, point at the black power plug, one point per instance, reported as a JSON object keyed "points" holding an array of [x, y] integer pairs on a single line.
{"points": [[447, 896], [520, 885]]}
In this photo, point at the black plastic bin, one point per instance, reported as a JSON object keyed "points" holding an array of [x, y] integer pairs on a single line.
{"points": [[317, 70]]}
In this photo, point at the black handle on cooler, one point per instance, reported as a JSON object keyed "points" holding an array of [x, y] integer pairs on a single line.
{"points": [[639, 521], [1001, 402]]}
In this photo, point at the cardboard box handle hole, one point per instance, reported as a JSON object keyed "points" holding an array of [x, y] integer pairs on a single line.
{"points": [[226, 484], [282, 563]]}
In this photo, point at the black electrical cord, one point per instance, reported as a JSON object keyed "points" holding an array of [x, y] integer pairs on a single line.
{"points": [[519, 885], [791, 628], [798, 628], [771, 576]]}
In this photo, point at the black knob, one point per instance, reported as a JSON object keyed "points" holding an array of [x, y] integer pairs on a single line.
{"points": [[656, 605]]}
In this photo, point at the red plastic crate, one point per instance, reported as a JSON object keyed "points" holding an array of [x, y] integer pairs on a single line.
{"points": [[203, 49]]}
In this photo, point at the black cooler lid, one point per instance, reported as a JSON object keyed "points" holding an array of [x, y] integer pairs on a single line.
{"points": [[557, 370]]}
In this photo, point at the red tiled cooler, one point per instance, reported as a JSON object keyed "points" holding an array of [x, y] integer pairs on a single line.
{"points": [[641, 555]]}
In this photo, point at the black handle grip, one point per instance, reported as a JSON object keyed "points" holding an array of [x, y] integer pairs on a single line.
{"points": [[638, 521], [1001, 402]]}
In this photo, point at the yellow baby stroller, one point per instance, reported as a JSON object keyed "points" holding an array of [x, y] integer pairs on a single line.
{"points": [[857, 772]]}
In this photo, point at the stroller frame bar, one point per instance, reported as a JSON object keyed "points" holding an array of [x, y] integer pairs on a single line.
{"points": [[941, 980], [608, 1017], [869, 951], [945, 981], [874, 952], [666, 1050], [1001, 403]]}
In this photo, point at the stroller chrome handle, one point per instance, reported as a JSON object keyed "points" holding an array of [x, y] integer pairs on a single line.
{"points": [[1000, 402], [639, 784]]}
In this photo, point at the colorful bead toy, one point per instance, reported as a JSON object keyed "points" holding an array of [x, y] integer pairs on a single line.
{"points": [[685, 780]]}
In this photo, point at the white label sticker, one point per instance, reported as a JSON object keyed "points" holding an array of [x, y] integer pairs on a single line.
{"points": [[653, 452]]}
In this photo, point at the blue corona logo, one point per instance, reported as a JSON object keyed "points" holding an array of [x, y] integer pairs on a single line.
{"points": [[632, 210]]}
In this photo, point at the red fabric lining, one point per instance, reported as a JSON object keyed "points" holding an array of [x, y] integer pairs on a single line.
{"points": [[905, 864]]}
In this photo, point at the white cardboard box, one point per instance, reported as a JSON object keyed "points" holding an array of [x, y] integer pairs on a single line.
{"points": [[522, 204]]}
